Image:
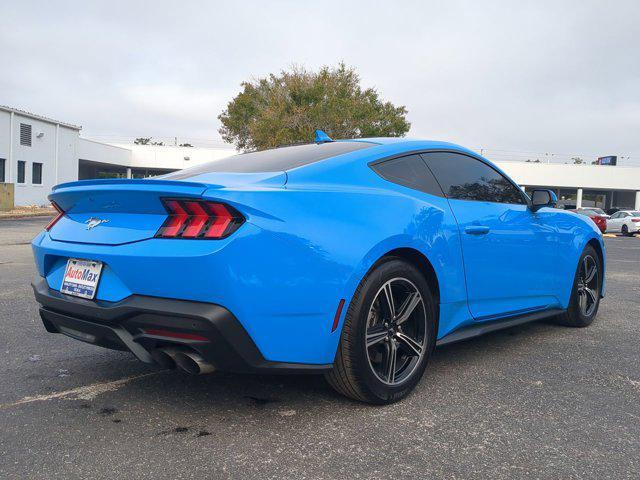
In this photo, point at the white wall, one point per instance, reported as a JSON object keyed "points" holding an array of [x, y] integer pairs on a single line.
{"points": [[4, 139], [597, 177], [42, 150], [103, 152], [154, 156]]}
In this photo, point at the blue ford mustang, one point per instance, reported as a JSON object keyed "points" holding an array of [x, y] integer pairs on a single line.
{"points": [[352, 258]]}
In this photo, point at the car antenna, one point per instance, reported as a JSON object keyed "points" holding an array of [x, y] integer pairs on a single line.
{"points": [[322, 137]]}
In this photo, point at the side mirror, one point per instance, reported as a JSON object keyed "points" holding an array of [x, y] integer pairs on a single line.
{"points": [[543, 198]]}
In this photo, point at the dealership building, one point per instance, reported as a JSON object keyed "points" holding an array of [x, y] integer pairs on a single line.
{"points": [[37, 153]]}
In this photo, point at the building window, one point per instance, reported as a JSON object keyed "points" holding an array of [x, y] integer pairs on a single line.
{"points": [[25, 134], [2, 162], [36, 174], [21, 168]]}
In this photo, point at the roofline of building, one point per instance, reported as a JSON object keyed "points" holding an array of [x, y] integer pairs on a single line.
{"points": [[121, 147], [130, 145], [38, 117]]}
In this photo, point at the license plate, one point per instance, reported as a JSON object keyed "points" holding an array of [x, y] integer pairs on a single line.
{"points": [[81, 278]]}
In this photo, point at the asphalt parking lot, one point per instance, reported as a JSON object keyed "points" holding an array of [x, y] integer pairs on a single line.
{"points": [[536, 401]]}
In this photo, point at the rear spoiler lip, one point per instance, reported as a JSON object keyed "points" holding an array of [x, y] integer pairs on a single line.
{"points": [[81, 184], [67, 194]]}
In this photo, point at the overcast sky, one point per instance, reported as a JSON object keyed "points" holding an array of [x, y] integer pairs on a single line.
{"points": [[561, 77]]}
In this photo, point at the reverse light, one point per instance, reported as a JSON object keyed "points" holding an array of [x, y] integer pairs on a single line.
{"points": [[199, 219], [59, 215]]}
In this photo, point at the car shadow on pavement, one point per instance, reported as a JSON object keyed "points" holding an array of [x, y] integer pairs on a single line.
{"points": [[246, 395]]}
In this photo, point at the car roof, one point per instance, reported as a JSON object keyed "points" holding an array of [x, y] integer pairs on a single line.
{"points": [[401, 144], [405, 141], [367, 150]]}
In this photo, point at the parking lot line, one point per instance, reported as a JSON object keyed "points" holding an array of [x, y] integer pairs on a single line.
{"points": [[86, 392]]}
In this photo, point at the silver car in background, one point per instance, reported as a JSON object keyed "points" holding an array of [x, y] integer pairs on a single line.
{"points": [[625, 221]]}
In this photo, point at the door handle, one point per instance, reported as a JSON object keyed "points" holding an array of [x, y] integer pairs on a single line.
{"points": [[476, 230]]}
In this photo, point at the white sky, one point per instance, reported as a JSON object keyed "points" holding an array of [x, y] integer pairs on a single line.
{"points": [[557, 76]]}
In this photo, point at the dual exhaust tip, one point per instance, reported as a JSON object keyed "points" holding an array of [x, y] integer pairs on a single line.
{"points": [[187, 360]]}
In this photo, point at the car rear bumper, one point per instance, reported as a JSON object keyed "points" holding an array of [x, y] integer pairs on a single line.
{"points": [[210, 330]]}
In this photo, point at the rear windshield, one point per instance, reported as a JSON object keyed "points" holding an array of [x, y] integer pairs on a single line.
{"points": [[275, 160]]}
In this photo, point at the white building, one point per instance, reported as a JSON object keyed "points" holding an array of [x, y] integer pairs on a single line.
{"points": [[581, 185], [37, 152]]}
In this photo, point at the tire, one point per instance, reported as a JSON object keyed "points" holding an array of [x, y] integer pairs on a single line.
{"points": [[576, 315], [362, 368], [625, 231]]}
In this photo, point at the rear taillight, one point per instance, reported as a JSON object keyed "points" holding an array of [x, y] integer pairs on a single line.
{"points": [[198, 219], [635, 220], [59, 215]]}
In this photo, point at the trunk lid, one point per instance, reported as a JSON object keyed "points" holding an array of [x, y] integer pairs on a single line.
{"points": [[113, 212], [118, 211]]}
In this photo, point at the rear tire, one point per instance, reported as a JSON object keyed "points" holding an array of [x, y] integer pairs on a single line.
{"points": [[379, 335], [585, 295]]}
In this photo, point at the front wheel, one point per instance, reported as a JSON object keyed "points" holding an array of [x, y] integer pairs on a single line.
{"points": [[625, 230], [585, 296], [388, 335]]}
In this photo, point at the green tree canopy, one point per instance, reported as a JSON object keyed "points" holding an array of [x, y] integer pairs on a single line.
{"points": [[287, 108], [146, 141]]}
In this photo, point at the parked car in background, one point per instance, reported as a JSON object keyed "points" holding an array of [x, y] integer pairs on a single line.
{"points": [[600, 219], [611, 211], [625, 221], [596, 210]]}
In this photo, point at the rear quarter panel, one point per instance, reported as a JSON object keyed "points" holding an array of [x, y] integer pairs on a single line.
{"points": [[317, 239]]}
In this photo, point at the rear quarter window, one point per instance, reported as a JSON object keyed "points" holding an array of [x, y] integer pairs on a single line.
{"points": [[409, 171]]}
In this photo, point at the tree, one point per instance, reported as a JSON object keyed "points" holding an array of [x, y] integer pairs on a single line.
{"points": [[287, 108], [577, 160], [146, 141]]}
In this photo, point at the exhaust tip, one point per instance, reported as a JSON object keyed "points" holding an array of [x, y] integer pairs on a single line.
{"points": [[163, 359], [189, 361]]}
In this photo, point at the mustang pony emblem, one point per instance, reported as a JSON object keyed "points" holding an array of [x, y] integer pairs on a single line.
{"points": [[94, 222]]}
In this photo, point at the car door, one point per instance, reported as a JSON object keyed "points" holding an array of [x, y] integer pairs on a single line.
{"points": [[614, 223], [625, 219], [509, 252]]}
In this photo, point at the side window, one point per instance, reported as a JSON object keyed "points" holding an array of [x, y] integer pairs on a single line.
{"points": [[616, 215], [409, 171], [2, 162], [36, 173], [21, 171], [466, 178]]}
